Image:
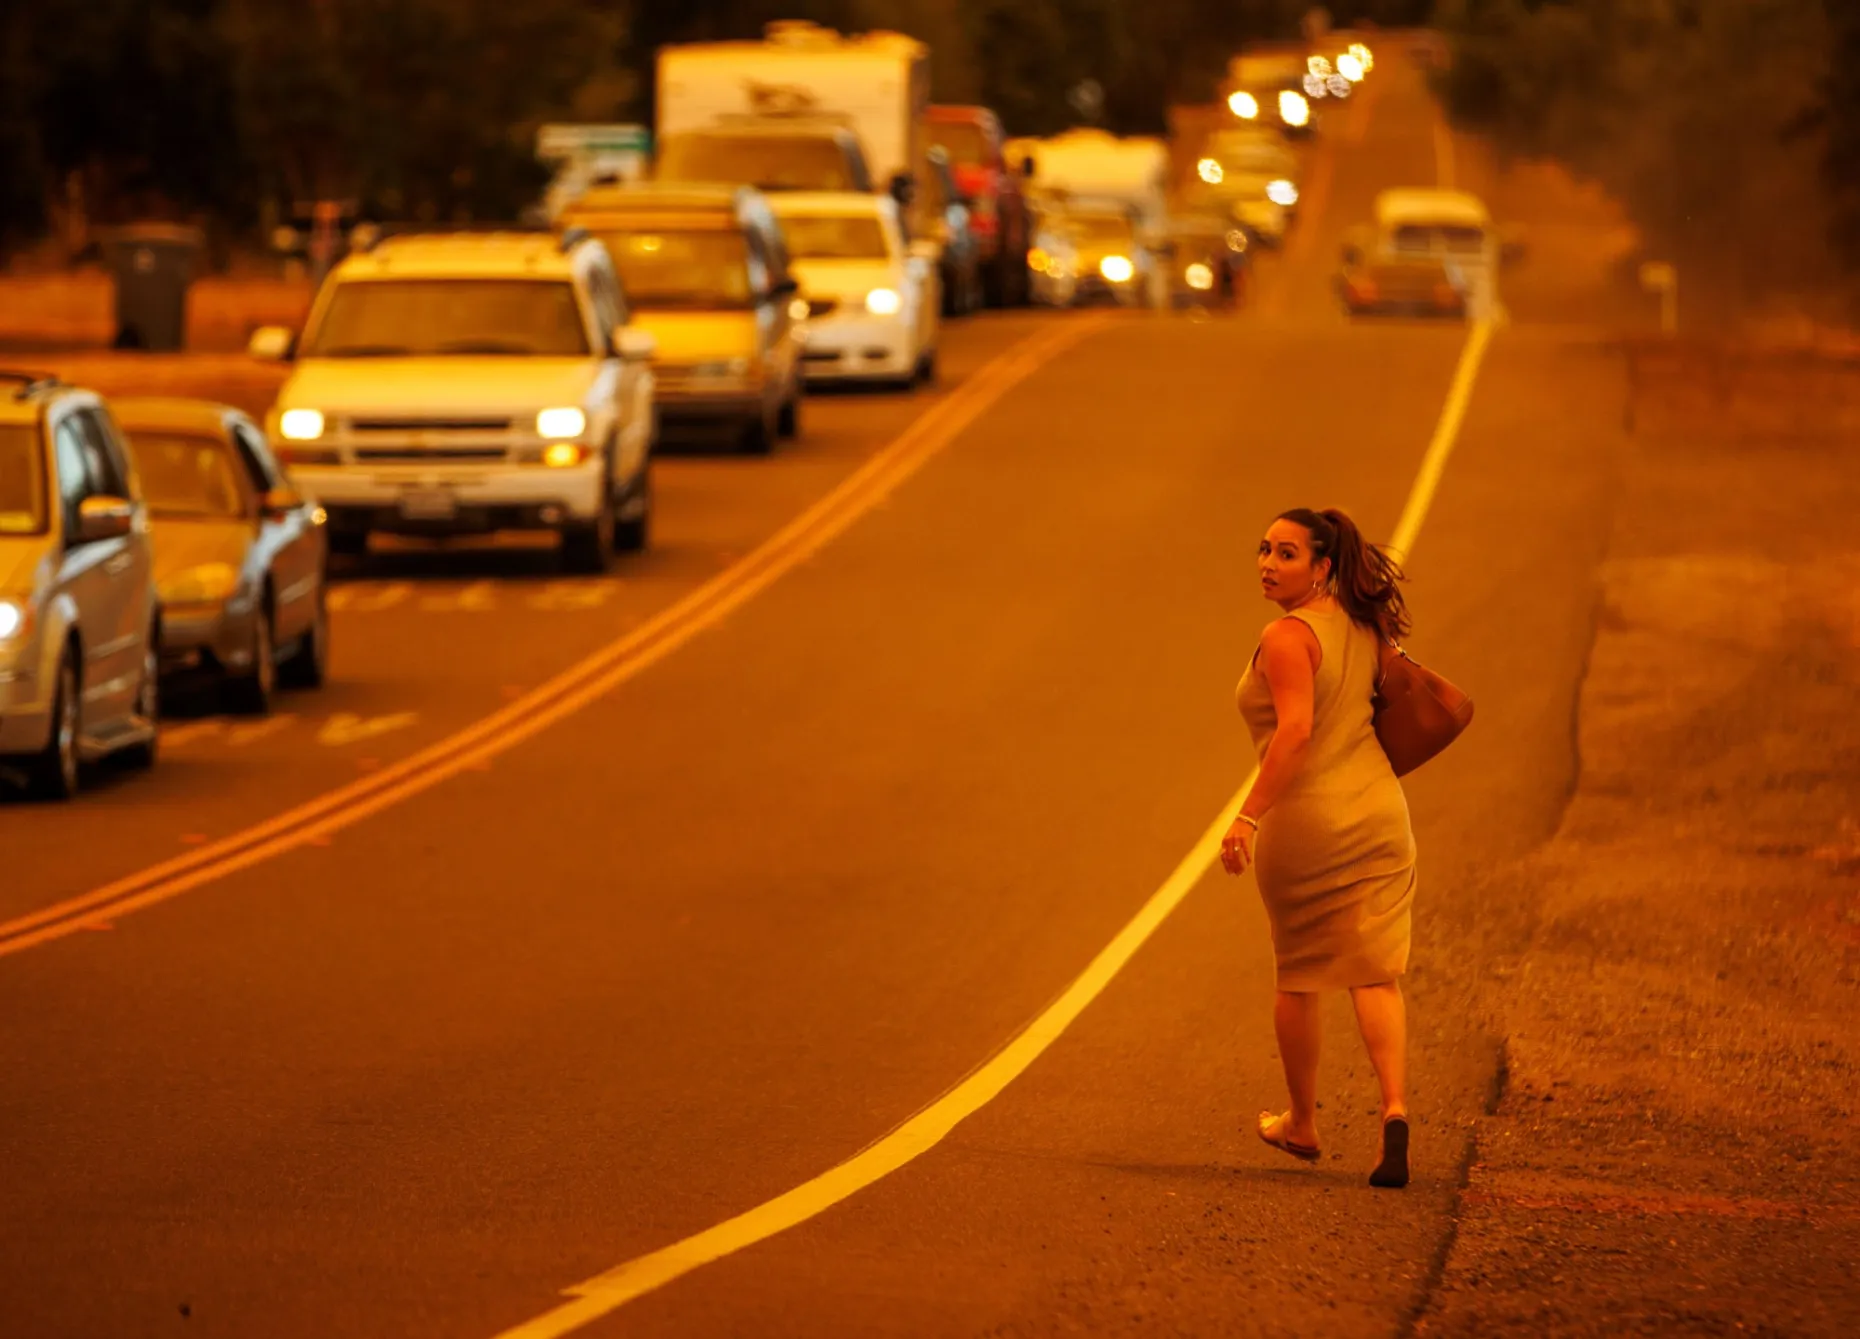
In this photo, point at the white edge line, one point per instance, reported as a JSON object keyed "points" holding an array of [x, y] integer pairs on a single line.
{"points": [[614, 1288]]}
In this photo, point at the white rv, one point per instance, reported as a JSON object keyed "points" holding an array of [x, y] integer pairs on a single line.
{"points": [[875, 84], [1083, 179]]}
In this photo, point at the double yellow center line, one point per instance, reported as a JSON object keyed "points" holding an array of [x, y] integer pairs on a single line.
{"points": [[575, 687]]}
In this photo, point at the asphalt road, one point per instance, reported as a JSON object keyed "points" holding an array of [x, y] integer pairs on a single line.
{"points": [[651, 948]]}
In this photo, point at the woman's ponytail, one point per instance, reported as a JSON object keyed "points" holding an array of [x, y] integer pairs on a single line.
{"points": [[1364, 577]]}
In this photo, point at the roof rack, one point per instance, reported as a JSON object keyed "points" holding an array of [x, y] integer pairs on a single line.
{"points": [[369, 235], [30, 383]]}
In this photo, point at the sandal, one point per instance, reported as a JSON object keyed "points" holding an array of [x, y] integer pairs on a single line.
{"points": [[1392, 1172], [1272, 1131]]}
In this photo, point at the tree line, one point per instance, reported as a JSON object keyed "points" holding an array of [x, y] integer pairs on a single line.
{"points": [[1728, 129], [238, 113]]}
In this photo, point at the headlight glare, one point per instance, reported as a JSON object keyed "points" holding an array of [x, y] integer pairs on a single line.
{"points": [[564, 455], [301, 425], [1293, 109], [561, 422], [15, 619], [1282, 193], [1244, 105], [1200, 277], [883, 302], [1117, 269]]}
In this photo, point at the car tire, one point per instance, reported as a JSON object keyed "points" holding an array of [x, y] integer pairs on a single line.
{"points": [[250, 693], [789, 424], [308, 663], [926, 366], [53, 774], [760, 432], [633, 533], [148, 705], [588, 546]]}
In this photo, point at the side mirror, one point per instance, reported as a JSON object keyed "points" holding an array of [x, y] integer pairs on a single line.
{"points": [[903, 188], [1027, 166], [784, 288], [271, 344], [1165, 248], [103, 518], [634, 345], [280, 501]]}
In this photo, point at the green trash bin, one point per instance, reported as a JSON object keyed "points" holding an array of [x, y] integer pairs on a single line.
{"points": [[152, 265]]}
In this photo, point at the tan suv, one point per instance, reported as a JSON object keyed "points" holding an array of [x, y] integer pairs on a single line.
{"points": [[79, 631]]}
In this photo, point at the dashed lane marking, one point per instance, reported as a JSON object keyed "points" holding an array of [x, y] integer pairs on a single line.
{"points": [[609, 1291]]}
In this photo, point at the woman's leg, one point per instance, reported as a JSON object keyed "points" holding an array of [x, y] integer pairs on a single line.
{"points": [[1299, 1021], [1382, 1018]]}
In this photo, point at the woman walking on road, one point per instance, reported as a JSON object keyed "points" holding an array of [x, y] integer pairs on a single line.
{"points": [[1325, 825]]}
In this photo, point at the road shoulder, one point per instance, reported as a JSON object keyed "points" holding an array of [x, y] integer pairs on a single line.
{"points": [[1675, 1149]]}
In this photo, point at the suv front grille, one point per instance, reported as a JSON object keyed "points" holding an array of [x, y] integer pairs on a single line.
{"points": [[376, 455], [430, 424]]}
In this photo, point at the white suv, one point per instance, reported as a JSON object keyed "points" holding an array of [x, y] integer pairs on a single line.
{"points": [[458, 383]]}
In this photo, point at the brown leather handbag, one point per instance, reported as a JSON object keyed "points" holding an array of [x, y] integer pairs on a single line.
{"points": [[1417, 712]]}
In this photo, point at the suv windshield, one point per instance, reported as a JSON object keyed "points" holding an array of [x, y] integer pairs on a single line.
{"points": [[1446, 236], [695, 270], [848, 237], [964, 142], [423, 318], [188, 474], [22, 480], [767, 162]]}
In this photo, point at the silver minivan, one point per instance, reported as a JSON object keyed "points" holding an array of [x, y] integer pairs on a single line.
{"points": [[79, 622]]}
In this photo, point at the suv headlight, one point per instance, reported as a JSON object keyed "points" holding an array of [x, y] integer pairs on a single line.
{"points": [[209, 583], [1117, 269], [561, 422], [15, 620], [883, 302], [300, 425]]}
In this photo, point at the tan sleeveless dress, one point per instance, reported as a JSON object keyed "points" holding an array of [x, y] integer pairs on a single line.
{"points": [[1335, 856]]}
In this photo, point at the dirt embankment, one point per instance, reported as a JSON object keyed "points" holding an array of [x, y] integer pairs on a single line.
{"points": [[1676, 1150]]}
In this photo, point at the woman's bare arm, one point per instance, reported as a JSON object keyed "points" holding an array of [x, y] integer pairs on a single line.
{"points": [[1288, 655]]}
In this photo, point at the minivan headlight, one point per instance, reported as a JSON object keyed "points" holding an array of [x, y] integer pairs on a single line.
{"points": [[561, 422], [301, 425], [883, 302]]}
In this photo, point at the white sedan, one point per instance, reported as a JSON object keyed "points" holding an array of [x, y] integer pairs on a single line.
{"points": [[872, 301]]}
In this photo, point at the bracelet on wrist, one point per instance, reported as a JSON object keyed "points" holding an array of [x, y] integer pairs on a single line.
{"points": [[1248, 819]]}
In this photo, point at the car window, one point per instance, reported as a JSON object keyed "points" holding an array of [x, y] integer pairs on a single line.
{"points": [[191, 474], [424, 318], [687, 269], [255, 457], [768, 162], [73, 466], [845, 237], [22, 480], [109, 474], [965, 142]]}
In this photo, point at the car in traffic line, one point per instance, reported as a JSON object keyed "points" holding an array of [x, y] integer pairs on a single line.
{"points": [[1380, 285], [469, 382], [79, 622], [873, 301], [951, 224], [1111, 259], [241, 557], [1208, 259], [705, 273], [973, 139]]}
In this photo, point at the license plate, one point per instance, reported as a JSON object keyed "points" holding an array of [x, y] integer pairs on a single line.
{"points": [[429, 504]]}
